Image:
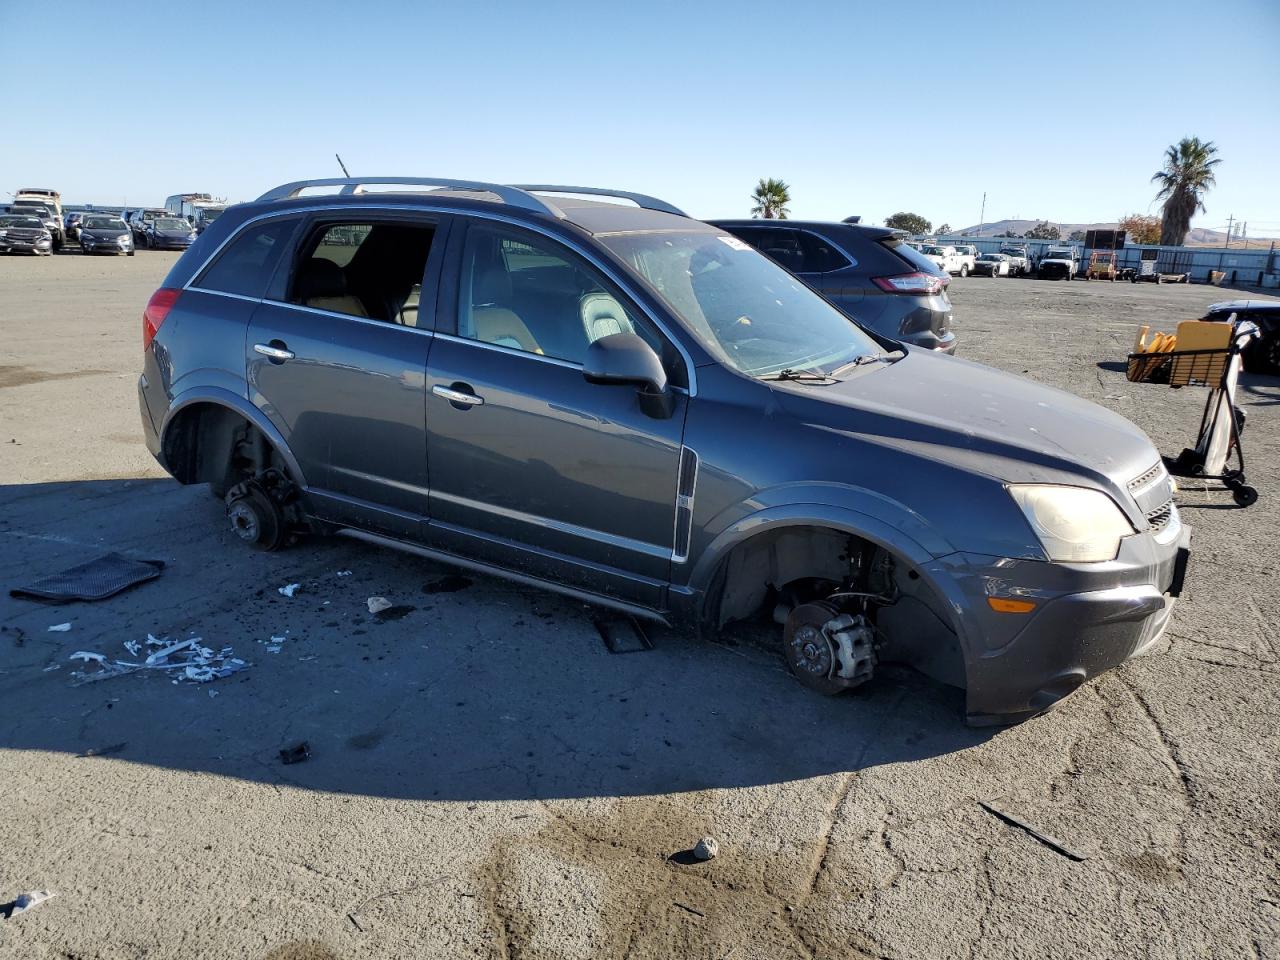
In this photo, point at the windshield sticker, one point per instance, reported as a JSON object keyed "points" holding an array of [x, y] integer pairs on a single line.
{"points": [[734, 243]]}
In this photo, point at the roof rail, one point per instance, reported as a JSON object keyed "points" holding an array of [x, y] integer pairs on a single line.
{"points": [[515, 196], [639, 199]]}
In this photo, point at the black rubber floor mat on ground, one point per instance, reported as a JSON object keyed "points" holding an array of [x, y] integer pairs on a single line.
{"points": [[95, 580]]}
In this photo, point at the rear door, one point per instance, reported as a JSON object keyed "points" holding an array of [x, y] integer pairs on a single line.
{"points": [[532, 467], [337, 356]]}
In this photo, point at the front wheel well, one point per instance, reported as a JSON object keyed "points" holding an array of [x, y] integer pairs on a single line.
{"points": [[794, 565], [211, 443]]}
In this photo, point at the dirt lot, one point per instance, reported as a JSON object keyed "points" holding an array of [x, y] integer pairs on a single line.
{"points": [[487, 781]]}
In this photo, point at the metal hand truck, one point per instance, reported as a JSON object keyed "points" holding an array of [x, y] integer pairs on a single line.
{"points": [[1222, 421]]}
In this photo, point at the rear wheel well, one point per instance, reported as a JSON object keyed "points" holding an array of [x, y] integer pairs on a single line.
{"points": [[213, 444]]}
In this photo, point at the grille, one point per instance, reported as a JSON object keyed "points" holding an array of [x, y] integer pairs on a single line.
{"points": [[687, 481], [1159, 519], [1144, 479]]}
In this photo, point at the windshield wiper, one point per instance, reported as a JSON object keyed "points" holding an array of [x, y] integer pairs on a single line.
{"points": [[803, 376], [879, 357]]}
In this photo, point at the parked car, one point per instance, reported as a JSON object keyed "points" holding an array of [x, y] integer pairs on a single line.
{"points": [[1262, 355], [992, 265], [947, 259], [1019, 260], [24, 233], [167, 233], [139, 222], [51, 200], [868, 272], [102, 233], [51, 221], [642, 411], [1059, 263], [969, 252], [71, 225]]}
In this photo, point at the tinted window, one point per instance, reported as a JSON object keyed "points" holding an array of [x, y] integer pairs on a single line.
{"points": [[528, 293], [915, 258], [818, 255], [368, 269], [247, 262]]}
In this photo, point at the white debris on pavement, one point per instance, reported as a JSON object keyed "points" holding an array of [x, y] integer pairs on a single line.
{"points": [[706, 849], [378, 604], [133, 646], [191, 662], [30, 900], [60, 628], [344, 573], [288, 590]]}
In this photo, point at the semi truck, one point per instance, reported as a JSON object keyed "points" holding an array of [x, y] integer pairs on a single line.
{"points": [[198, 209]]}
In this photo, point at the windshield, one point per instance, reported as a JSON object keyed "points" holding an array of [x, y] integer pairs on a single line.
{"points": [[208, 216], [16, 221], [1011, 251], [933, 252], [1058, 255], [748, 311], [991, 256], [169, 223], [103, 223], [32, 209]]}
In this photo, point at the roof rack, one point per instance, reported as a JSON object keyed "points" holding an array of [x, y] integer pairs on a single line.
{"points": [[639, 199], [516, 196], [352, 185]]}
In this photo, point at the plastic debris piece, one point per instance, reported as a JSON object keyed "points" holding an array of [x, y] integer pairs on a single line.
{"points": [[296, 753], [378, 604], [105, 751], [288, 590], [25, 901], [706, 849], [52, 667], [88, 657], [212, 694], [60, 628], [166, 651], [133, 646], [154, 641], [1053, 843], [344, 573]]}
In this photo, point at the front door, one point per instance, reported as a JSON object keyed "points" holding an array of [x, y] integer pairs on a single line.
{"points": [[339, 362], [532, 467]]}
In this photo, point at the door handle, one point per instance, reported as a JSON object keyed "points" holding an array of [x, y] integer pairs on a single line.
{"points": [[457, 396], [277, 354]]}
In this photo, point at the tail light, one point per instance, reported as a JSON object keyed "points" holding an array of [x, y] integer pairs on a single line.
{"points": [[158, 308], [918, 282]]}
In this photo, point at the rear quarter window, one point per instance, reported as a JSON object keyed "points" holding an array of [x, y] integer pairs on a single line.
{"points": [[914, 257], [245, 265]]}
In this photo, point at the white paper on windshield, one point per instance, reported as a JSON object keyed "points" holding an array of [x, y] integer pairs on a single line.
{"points": [[734, 242]]}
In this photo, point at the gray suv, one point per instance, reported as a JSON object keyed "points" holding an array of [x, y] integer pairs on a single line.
{"points": [[620, 403], [868, 272]]}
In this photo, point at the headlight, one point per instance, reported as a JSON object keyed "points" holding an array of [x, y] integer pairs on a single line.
{"points": [[1074, 524]]}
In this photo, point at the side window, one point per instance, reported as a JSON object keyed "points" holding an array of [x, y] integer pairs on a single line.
{"points": [[527, 293], [368, 269], [245, 266], [819, 256], [782, 246]]}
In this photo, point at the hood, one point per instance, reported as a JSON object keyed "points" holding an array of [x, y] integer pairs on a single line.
{"points": [[978, 419], [104, 232]]}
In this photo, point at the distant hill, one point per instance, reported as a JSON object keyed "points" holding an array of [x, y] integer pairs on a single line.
{"points": [[1198, 237]]}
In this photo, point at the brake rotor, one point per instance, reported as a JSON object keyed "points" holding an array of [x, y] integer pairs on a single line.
{"points": [[810, 652]]}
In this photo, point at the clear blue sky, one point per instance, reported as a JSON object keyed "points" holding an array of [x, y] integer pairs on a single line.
{"points": [[869, 108]]}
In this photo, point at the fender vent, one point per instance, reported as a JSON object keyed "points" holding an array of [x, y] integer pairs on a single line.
{"points": [[685, 484]]}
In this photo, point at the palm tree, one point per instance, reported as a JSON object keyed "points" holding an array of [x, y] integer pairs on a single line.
{"points": [[1186, 177], [771, 199]]}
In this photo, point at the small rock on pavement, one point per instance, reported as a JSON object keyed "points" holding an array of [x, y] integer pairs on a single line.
{"points": [[378, 604], [706, 849]]}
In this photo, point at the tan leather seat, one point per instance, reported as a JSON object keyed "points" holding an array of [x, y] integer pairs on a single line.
{"points": [[323, 286], [491, 321]]}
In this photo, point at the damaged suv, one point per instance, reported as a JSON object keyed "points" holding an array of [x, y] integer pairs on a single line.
{"points": [[620, 403]]}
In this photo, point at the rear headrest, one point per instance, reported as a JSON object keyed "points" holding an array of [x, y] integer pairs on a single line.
{"points": [[492, 286], [320, 278]]}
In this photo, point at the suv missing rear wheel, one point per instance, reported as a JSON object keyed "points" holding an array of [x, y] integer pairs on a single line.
{"points": [[625, 405]]}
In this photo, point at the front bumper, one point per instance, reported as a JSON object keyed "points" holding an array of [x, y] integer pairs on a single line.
{"points": [[1089, 619], [158, 243], [105, 246], [26, 246]]}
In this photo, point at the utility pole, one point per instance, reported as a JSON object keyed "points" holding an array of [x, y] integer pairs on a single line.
{"points": [[1230, 219], [982, 217]]}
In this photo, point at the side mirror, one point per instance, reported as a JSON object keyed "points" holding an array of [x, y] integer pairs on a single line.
{"points": [[625, 358]]}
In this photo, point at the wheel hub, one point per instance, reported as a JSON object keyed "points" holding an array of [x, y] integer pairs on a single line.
{"points": [[244, 522]]}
